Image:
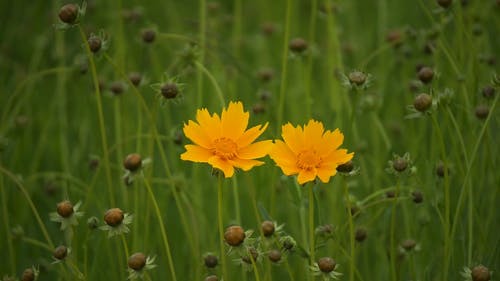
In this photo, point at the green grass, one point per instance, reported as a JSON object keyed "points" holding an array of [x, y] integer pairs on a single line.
{"points": [[55, 118]]}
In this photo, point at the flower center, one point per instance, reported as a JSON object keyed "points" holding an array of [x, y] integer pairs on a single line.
{"points": [[225, 148], [308, 159]]}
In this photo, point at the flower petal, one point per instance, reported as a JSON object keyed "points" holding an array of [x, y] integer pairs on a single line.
{"points": [[196, 134], [282, 154], [250, 135], [196, 153], [222, 165], [255, 150], [306, 175], [338, 157], [245, 164], [234, 120], [289, 170], [211, 125], [293, 137], [313, 131], [324, 173]]}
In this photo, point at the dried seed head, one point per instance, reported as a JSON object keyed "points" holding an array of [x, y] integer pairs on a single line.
{"points": [[482, 111], [234, 235], [357, 77], [28, 275], [347, 167], [298, 45], [274, 255], [326, 264], [148, 35], [211, 261], [132, 162], [117, 87], [137, 261], [408, 244], [212, 278], [135, 78], [422, 102], [254, 255], [267, 228], [360, 234], [114, 217], [68, 13], [60, 252], [418, 197], [488, 92], [95, 44], [480, 273], [169, 90], [425, 74], [400, 164], [65, 209], [444, 3]]}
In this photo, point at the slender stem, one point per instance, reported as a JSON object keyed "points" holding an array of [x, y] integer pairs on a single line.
{"points": [[236, 198], [202, 35], [214, 82], [30, 203], [446, 231], [100, 114], [221, 228], [162, 229], [351, 230], [393, 234], [8, 234], [254, 265], [309, 67], [125, 246], [284, 66], [311, 224]]}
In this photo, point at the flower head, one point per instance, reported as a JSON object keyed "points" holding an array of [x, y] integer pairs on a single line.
{"points": [[309, 152], [224, 142]]}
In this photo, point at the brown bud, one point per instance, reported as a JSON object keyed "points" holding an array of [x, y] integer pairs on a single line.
{"points": [[95, 44], [28, 275], [114, 217], [148, 35], [347, 167], [394, 37], [234, 235], [274, 255], [169, 90], [211, 261], [137, 261], [326, 264], [408, 244], [117, 87], [60, 252], [422, 102], [68, 13], [265, 74], [425, 74], [440, 169], [418, 197], [390, 194], [132, 162], [135, 78], [488, 92], [480, 273], [360, 234], [298, 45], [482, 111], [444, 3], [254, 255], [258, 108], [400, 164], [268, 28], [357, 77], [267, 228], [65, 209]]}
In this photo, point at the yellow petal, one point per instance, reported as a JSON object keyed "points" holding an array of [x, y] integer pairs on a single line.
{"points": [[324, 173], [293, 137], [313, 131], [338, 157], [196, 134], [255, 150], [222, 165], [250, 135], [330, 142], [196, 153], [289, 170], [306, 176], [211, 125], [281, 154], [245, 164], [234, 120]]}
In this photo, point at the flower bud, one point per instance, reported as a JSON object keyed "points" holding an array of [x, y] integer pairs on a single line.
{"points": [[137, 261], [60, 252], [65, 209], [422, 102], [95, 44], [488, 92], [400, 164], [418, 197], [298, 45], [132, 162], [113, 217], [408, 244], [267, 228], [148, 35], [274, 255], [68, 13], [254, 255], [347, 167], [444, 3], [425, 74], [211, 261], [117, 87], [326, 264], [234, 235], [360, 234], [482, 111], [357, 77], [28, 275], [169, 90], [480, 273], [135, 78]]}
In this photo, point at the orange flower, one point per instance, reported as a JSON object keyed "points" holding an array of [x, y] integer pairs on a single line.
{"points": [[225, 142], [309, 152]]}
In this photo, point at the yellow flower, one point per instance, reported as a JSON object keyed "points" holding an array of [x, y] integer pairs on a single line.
{"points": [[309, 152], [225, 142]]}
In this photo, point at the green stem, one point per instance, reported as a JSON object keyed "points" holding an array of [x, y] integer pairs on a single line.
{"points": [[202, 35], [309, 67], [236, 198], [393, 234], [284, 67], [311, 225], [221, 228], [351, 231], [102, 128], [162, 229], [214, 82], [8, 234]]}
